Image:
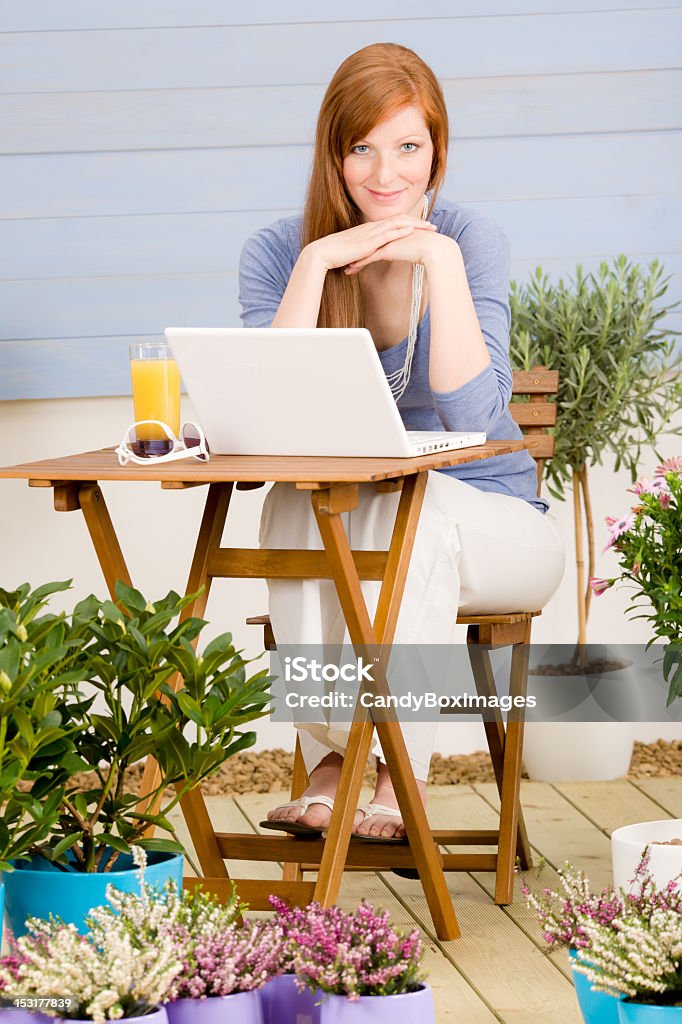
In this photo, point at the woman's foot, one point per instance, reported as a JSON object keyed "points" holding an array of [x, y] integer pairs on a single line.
{"points": [[324, 780], [383, 825]]}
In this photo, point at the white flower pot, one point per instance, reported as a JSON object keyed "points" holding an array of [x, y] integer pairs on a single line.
{"points": [[577, 751], [628, 844]]}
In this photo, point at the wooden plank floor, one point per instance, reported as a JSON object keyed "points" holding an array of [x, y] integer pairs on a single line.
{"points": [[499, 970]]}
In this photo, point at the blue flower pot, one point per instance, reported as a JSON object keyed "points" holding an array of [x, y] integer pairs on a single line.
{"points": [[37, 888], [596, 1007], [642, 1013]]}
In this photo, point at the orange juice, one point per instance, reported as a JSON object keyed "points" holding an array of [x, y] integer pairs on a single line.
{"points": [[156, 395]]}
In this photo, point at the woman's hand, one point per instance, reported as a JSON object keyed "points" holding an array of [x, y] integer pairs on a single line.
{"points": [[417, 247], [359, 243]]}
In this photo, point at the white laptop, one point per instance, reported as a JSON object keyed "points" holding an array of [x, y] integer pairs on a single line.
{"points": [[285, 391]]}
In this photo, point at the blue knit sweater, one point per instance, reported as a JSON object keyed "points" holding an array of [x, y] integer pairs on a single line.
{"points": [[267, 260]]}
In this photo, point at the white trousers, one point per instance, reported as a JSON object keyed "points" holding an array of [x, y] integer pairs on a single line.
{"points": [[473, 551]]}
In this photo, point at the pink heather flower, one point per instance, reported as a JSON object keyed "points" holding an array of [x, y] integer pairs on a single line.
{"points": [[600, 585], [671, 465]]}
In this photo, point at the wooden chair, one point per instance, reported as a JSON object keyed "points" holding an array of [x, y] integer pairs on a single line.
{"points": [[484, 633]]}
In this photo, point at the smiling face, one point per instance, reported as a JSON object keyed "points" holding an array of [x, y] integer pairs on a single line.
{"points": [[388, 170]]}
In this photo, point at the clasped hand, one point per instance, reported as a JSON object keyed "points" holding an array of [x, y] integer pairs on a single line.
{"points": [[401, 237]]}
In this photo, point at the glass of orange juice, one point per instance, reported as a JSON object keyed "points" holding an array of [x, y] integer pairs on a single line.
{"points": [[156, 394]]}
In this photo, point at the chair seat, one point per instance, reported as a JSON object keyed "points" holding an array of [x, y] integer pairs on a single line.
{"points": [[473, 619]]}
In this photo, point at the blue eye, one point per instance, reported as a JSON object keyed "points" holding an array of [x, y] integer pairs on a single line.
{"points": [[412, 144], [355, 149]]}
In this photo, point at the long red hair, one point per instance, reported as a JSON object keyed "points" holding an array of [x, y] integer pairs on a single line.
{"points": [[370, 86]]}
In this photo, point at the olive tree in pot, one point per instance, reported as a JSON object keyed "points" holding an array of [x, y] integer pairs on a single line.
{"points": [[129, 651], [619, 385]]}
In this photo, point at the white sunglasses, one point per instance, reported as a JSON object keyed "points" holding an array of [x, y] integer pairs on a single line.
{"points": [[190, 444]]}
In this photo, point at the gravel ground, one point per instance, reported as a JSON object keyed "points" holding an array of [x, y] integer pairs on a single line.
{"points": [[269, 771]]}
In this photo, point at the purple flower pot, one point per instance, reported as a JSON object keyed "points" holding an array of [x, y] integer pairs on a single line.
{"points": [[157, 1016], [11, 1015], [408, 1008], [244, 1007], [283, 1003]]}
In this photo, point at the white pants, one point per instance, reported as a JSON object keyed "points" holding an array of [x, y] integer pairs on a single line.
{"points": [[474, 551]]}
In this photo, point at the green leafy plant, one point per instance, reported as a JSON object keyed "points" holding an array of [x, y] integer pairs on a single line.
{"points": [[136, 688], [648, 542], [39, 655], [619, 377]]}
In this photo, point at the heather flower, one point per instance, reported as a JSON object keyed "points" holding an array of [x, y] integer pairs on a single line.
{"points": [[107, 976], [217, 955], [562, 914], [353, 954], [627, 943]]}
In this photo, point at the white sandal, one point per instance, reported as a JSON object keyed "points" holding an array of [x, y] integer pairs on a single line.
{"points": [[369, 811], [297, 828]]}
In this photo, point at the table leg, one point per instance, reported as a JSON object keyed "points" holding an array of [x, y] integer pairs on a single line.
{"points": [[193, 804], [103, 535], [365, 636]]}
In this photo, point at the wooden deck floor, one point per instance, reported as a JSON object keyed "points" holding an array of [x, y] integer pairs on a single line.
{"points": [[499, 970]]}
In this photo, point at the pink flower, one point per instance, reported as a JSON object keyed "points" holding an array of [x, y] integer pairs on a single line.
{"points": [[641, 487], [599, 585], [664, 498], [617, 527], [671, 465]]}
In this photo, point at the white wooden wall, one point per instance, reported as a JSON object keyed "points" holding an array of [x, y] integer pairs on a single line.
{"points": [[141, 142]]}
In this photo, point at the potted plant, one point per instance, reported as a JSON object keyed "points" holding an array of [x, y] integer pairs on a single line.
{"points": [[357, 964], [606, 934], [224, 961], [96, 977], [648, 543], [128, 653], [37, 654], [619, 385]]}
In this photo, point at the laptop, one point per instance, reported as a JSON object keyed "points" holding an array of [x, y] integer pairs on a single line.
{"points": [[290, 391]]}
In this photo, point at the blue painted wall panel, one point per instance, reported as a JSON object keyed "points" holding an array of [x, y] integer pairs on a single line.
{"points": [[144, 141]]}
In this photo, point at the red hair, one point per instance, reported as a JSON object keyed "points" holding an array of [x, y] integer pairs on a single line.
{"points": [[370, 86]]}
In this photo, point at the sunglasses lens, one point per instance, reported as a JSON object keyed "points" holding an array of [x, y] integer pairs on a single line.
{"points": [[192, 440], [146, 447]]}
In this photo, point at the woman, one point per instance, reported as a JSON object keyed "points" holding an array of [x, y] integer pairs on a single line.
{"points": [[377, 247]]}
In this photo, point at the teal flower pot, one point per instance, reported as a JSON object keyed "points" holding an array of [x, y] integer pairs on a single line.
{"points": [[643, 1013], [36, 888], [596, 1007]]}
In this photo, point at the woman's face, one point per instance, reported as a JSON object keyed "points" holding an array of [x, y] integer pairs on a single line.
{"points": [[388, 170]]}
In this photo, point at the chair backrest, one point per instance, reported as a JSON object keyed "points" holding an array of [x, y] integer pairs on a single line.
{"points": [[537, 413]]}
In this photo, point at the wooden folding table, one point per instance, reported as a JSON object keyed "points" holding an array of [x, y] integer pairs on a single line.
{"points": [[334, 486]]}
